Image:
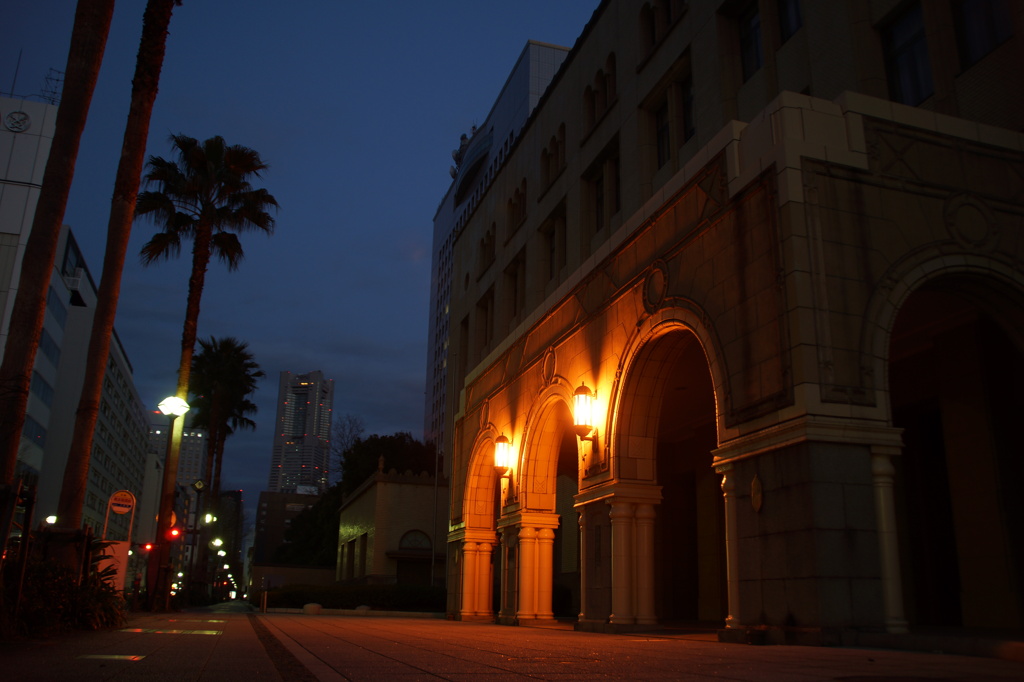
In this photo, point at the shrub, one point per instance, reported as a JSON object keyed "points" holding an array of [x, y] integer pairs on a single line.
{"points": [[378, 597]]}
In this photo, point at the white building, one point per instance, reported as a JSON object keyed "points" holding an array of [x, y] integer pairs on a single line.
{"points": [[119, 445], [476, 160]]}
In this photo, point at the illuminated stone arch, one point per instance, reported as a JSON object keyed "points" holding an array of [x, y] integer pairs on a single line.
{"points": [[476, 539], [541, 446], [481, 482], [626, 421]]}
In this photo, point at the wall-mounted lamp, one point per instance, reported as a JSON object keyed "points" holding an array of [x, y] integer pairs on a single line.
{"points": [[583, 413], [502, 455]]}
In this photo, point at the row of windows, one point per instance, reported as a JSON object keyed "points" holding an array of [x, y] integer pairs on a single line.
{"points": [[668, 123]]}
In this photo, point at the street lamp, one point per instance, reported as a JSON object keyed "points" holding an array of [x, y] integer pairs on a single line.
{"points": [[502, 455], [173, 407], [583, 413]]}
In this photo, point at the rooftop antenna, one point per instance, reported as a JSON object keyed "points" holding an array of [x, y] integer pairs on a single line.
{"points": [[14, 81], [53, 84]]}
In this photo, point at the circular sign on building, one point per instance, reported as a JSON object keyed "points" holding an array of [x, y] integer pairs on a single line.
{"points": [[122, 502]]}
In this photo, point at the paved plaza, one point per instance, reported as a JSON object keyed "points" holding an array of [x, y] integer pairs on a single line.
{"points": [[227, 645]]}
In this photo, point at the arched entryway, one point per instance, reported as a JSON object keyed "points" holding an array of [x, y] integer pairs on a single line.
{"points": [[955, 377], [540, 557], [668, 408]]}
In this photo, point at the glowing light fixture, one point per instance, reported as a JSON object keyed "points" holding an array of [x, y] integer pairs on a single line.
{"points": [[583, 413], [173, 406], [502, 455]]}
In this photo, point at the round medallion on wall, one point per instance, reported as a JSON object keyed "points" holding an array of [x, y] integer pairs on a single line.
{"points": [[655, 286], [17, 121], [548, 368], [485, 409], [970, 222]]}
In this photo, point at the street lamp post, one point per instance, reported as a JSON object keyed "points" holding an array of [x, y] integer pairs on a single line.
{"points": [[173, 407]]}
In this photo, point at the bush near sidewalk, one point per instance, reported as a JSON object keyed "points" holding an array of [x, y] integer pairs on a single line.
{"points": [[378, 597]]}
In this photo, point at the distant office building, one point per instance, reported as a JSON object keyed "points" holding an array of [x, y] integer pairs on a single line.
{"points": [[302, 439], [274, 516], [191, 462], [118, 460], [476, 160]]}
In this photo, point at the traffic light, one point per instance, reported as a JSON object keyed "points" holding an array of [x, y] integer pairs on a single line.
{"points": [[147, 547], [174, 533]]}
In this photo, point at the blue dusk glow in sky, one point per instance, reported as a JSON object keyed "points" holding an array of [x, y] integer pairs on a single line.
{"points": [[356, 106]]}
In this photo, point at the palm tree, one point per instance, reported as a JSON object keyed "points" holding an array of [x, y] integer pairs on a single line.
{"points": [[223, 375], [148, 65], [204, 195], [85, 54]]}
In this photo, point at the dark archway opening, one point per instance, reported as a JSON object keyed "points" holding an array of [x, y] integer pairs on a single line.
{"points": [[689, 529], [955, 378]]}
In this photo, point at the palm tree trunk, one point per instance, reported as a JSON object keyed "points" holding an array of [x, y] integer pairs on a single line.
{"points": [[148, 65], [88, 41], [220, 460], [201, 249]]}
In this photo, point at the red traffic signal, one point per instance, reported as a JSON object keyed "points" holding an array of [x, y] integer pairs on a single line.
{"points": [[174, 533]]}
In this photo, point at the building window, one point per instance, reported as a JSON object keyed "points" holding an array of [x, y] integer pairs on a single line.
{"points": [[552, 158], [656, 20], [686, 100], [751, 54], [34, 431], [41, 388], [789, 18], [602, 187], [981, 26], [516, 211], [601, 94], [56, 308], [553, 233], [671, 117], [906, 58], [515, 285], [486, 250], [49, 348], [485, 321], [662, 136]]}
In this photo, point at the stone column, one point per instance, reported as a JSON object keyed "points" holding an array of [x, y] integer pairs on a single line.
{"points": [[545, 572], [732, 555], [888, 543], [621, 515], [583, 565], [469, 591], [645, 610], [485, 578], [506, 606], [527, 573]]}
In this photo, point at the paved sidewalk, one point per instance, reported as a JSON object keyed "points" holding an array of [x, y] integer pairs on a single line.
{"points": [[229, 645], [361, 648], [213, 646]]}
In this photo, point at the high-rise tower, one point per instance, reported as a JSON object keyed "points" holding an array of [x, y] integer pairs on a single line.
{"points": [[302, 439]]}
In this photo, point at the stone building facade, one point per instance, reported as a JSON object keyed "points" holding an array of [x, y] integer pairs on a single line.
{"points": [[779, 244]]}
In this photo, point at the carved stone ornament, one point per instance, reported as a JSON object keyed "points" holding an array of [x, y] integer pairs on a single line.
{"points": [[970, 222], [548, 367], [756, 494], [655, 286]]}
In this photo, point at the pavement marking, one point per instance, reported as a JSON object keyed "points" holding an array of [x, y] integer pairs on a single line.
{"points": [[195, 620], [173, 632], [114, 657]]}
